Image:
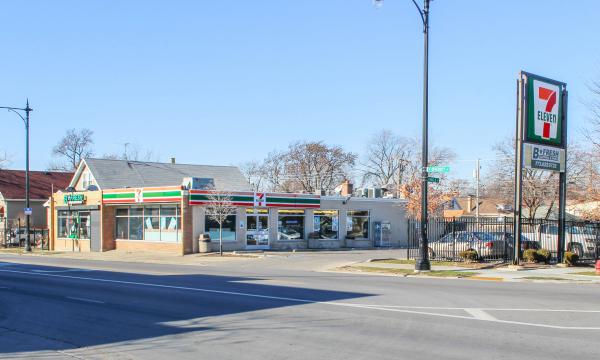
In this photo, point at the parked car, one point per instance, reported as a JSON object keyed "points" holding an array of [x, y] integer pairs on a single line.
{"points": [[583, 240], [526, 243], [486, 244], [289, 234]]}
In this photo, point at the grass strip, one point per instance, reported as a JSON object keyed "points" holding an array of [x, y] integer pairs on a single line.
{"points": [[406, 272], [587, 273]]}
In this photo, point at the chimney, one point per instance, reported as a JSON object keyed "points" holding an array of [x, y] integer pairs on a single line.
{"points": [[172, 160], [470, 203], [347, 188]]}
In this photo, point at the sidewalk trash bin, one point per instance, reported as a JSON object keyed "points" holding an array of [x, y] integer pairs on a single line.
{"points": [[204, 243]]}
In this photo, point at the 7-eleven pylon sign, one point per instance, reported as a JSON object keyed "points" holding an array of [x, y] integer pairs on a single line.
{"points": [[544, 112]]}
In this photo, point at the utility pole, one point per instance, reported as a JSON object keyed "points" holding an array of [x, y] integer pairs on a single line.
{"points": [[25, 119]]}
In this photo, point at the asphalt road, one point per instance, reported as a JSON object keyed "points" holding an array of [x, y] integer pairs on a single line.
{"points": [[279, 308]]}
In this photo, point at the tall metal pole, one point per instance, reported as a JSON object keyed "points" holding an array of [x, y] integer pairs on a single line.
{"points": [[27, 204], [423, 264], [477, 204]]}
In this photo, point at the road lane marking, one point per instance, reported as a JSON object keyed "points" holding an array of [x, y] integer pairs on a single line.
{"points": [[480, 314], [61, 271], [484, 309], [306, 301], [85, 300]]}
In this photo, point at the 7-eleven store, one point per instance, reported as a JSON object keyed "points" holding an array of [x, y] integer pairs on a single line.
{"points": [[173, 218]]}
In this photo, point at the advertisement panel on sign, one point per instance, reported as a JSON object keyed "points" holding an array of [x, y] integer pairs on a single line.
{"points": [[544, 157], [544, 112]]}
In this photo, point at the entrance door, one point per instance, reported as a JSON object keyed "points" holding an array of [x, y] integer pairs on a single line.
{"points": [[257, 229], [95, 232]]}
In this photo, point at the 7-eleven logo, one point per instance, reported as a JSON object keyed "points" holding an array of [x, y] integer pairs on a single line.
{"points": [[545, 106], [260, 199]]}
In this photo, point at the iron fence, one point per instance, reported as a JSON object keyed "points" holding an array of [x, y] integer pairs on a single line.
{"points": [[491, 239], [13, 235]]}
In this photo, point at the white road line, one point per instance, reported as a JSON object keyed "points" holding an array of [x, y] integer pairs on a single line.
{"points": [[303, 301], [61, 271], [85, 300], [4, 287], [484, 309], [480, 314]]}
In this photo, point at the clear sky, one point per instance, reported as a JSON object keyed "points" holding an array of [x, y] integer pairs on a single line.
{"points": [[222, 82]]}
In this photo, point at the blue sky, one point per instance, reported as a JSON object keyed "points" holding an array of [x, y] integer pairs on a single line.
{"points": [[221, 82]]}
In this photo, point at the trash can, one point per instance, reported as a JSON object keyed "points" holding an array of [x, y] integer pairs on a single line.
{"points": [[204, 243]]}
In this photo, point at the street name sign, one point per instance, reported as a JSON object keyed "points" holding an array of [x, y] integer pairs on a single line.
{"points": [[432, 179], [438, 169]]}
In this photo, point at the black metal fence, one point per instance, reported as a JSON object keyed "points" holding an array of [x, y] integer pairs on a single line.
{"points": [[13, 235], [492, 238]]}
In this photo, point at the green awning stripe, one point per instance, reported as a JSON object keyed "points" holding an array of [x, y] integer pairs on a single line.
{"points": [[162, 194], [293, 200], [119, 196]]}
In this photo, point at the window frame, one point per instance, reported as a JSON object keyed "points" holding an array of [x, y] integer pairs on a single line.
{"points": [[177, 231]]}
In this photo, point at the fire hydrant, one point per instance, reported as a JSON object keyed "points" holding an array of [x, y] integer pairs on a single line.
{"points": [[598, 267]]}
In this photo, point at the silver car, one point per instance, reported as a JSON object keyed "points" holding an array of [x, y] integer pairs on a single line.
{"points": [[485, 244]]}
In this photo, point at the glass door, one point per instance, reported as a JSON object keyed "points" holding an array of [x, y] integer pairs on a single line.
{"points": [[257, 230]]}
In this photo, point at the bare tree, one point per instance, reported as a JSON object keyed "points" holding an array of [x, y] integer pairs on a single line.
{"points": [[540, 188], [255, 173], [387, 159], [315, 166], [133, 152], [219, 208], [72, 148], [438, 193], [4, 160]]}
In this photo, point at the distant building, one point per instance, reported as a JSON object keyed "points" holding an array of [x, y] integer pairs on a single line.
{"points": [[12, 194], [467, 207], [133, 205]]}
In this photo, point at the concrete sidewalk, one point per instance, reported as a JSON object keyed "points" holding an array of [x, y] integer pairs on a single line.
{"points": [[500, 273], [149, 257]]}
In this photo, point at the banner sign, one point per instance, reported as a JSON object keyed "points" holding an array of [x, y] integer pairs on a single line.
{"points": [[544, 116], [544, 157], [74, 198]]}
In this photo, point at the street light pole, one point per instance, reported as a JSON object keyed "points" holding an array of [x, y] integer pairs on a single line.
{"points": [[25, 119], [422, 263]]}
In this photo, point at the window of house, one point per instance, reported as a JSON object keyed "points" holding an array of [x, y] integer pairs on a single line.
{"points": [[290, 224], [326, 224], [357, 224], [149, 223]]}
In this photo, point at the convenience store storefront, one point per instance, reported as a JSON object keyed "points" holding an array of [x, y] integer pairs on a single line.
{"points": [[173, 218]]}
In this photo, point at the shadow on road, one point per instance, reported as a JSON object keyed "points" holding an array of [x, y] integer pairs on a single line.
{"points": [[58, 308]]}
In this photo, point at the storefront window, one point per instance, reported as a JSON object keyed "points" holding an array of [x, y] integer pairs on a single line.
{"points": [[290, 224], [326, 224], [357, 224], [151, 223], [136, 223], [74, 224], [211, 226]]}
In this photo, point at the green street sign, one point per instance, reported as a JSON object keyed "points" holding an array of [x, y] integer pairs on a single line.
{"points": [[438, 169], [432, 179]]}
